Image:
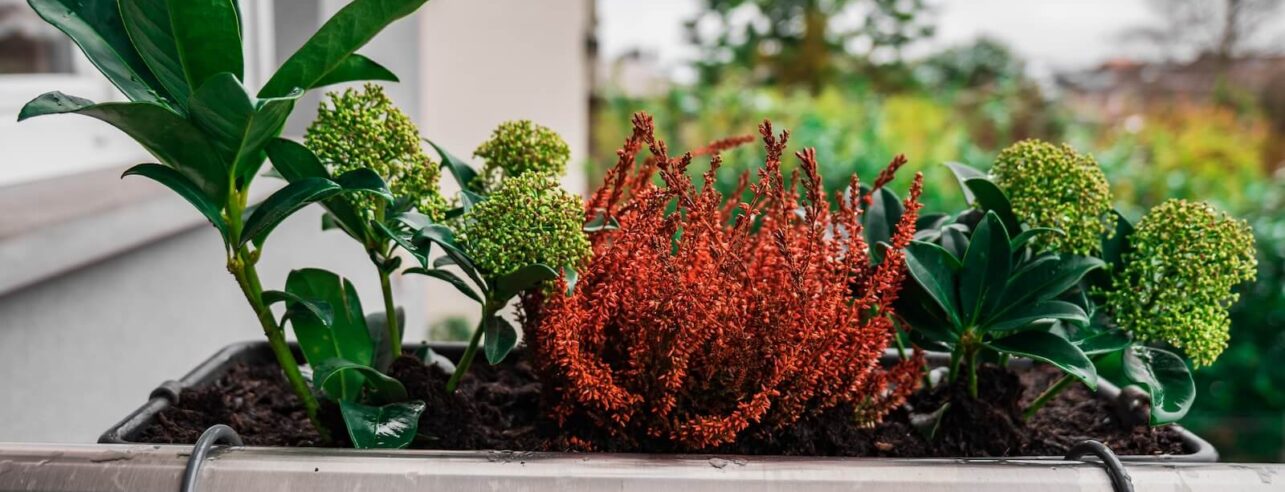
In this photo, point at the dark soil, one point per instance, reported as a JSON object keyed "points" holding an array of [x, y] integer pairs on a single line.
{"points": [[498, 408]]}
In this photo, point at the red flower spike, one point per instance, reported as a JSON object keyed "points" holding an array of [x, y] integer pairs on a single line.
{"points": [[726, 316]]}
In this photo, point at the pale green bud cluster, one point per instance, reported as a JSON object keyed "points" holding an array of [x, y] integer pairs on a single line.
{"points": [[525, 220], [363, 129], [1176, 284], [1056, 187], [518, 147]]}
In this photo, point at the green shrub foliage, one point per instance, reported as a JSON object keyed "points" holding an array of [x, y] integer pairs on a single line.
{"points": [[1176, 284], [1057, 188], [363, 129]]}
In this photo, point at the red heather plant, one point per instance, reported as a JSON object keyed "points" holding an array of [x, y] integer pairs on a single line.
{"points": [[696, 325]]}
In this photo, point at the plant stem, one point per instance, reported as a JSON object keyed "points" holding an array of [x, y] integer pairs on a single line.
{"points": [[390, 310], [242, 267], [1047, 396], [469, 353], [970, 359]]}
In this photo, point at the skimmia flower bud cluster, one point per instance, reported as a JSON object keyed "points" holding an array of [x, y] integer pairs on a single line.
{"points": [[363, 129], [519, 147], [527, 219], [1177, 282], [1056, 187]]}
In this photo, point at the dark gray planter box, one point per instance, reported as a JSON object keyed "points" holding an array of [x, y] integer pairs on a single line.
{"points": [[126, 431]]}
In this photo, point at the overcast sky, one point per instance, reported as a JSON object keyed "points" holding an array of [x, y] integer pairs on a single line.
{"points": [[1052, 34]]}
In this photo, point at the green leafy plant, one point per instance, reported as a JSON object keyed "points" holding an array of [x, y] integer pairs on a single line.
{"points": [[525, 232], [519, 147], [363, 131], [349, 354], [179, 64], [1056, 187]]}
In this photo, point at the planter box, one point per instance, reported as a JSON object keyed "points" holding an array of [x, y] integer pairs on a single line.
{"points": [[127, 430]]}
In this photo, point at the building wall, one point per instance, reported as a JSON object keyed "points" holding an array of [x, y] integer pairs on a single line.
{"points": [[82, 349]]}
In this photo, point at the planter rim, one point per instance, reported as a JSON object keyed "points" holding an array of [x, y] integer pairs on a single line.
{"points": [[212, 368]]}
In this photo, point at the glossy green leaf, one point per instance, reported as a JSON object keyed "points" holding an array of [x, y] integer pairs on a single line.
{"points": [[880, 220], [1050, 348], [391, 426], [315, 307], [284, 202], [986, 267], [346, 337], [1103, 343], [963, 173], [528, 277], [600, 222], [1166, 378], [295, 162], [460, 170], [991, 199], [354, 68], [1046, 278], [176, 142], [97, 28], [500, 338], [954, 241], [377, 326], [450, 278], [365, 180], [150, 28], [1115, 244], [443, 236], [185, 188], [329, 49], [207, 37], [382, 387], [934, 270], [238, 127], [572, 277], [931, 221], [1023, 316]]}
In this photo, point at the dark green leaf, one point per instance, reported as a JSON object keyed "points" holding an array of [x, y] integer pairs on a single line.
{"points": [[238, 128], [96, 26], [450, 278], [991, 199], [377, 325], [186, 189], [420, 252], [391, 426], [986, 266], [1046, 278], [930, 221], [600, 222], [296, 162], [168, 136], [284, 202], [1050, 348], [443, 236], [383, 388], [207, 35], [954, 241], [1167, 379], [500, 339], [319, 308], [1022, 317], [460, 170], [355, 68], [963, 173], [330, 48], [881, 218], [346, 337], [1103, 343], [1115, 244], [149, 27], [528, 277], [365, 180], [934, 270]]}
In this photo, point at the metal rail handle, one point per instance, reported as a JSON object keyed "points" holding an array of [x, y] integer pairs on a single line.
{"points": [[1120, 480], [211, 436]]}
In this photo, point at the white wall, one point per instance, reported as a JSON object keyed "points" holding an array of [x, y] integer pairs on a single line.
{"points": [[78, 351]]}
